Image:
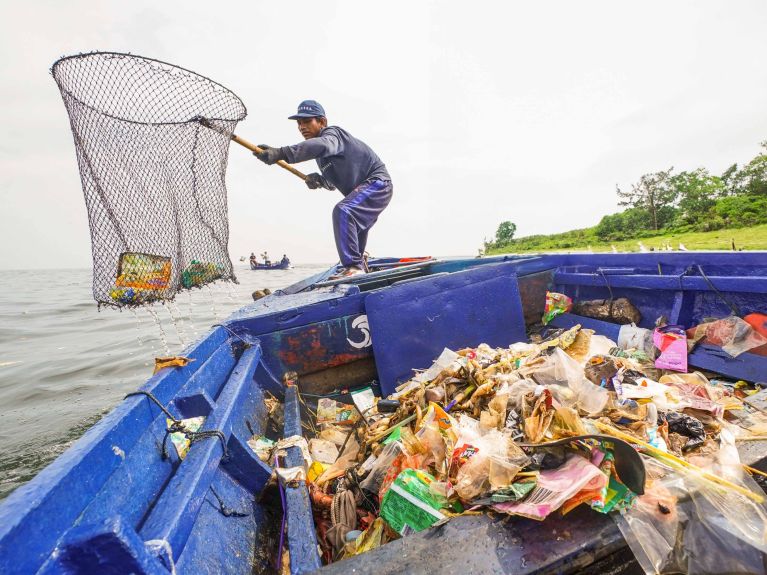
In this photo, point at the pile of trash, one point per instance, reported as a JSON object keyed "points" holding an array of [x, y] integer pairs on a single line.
{"points": [[568, 419]]}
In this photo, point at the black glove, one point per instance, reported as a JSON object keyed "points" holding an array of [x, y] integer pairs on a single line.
{"points": [[314, 181], [269, 155]]}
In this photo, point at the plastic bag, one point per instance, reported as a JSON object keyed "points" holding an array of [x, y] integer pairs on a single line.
{"points": [[631, 337], [688, 426], [719, 531], [556, 304], [733, 334], [372, 482], [480, 462], [561, 368]]}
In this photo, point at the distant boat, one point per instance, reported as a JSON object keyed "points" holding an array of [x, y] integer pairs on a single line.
{"points": [[281, 265]]}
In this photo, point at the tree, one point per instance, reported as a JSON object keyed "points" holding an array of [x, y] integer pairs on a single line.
{"points": [[751, 179], [653, 193], [505, 233], [623, 225], [696, 193]]}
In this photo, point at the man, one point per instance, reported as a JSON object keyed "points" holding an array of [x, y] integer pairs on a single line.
{"points": [[346, 164]]}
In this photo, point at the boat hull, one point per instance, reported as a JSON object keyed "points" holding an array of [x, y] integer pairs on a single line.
{"points": [[111, 502]]}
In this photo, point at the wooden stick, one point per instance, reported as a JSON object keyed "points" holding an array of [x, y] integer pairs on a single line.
{"points": [[256, 149], [680, 462], [253, 148], [751, 470], [392, 428]]}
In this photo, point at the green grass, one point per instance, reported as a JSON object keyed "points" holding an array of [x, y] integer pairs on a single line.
{"points": [[752, 238]]}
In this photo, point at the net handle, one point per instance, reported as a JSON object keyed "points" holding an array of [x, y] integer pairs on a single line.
{"points": [[253, 148]]}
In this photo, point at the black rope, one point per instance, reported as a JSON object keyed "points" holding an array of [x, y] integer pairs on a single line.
{"points": [[225, 510], [178, 427], [153, 398], [733, 308], [609, 289]]}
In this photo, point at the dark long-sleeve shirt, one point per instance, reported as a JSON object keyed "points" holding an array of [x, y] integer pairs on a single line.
{"points": [[344, 161]]}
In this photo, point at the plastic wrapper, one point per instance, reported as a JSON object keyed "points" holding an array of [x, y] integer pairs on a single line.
{"points": [[262, 446], [538, 413], [567, 423], [323, 450], [373, 537], [556, 486], [734, 335], [671, 341], [331, 411], [556, 304], [409, 506], [345, 460], [600, 369]]}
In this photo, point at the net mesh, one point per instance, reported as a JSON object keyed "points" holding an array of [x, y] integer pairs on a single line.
{"points": [[152, 141]]}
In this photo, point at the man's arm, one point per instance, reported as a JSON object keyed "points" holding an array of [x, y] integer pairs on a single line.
{"points": [[329, 144]]}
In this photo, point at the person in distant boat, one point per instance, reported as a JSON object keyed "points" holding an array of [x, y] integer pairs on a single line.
{"points": [[346, 164], [253, 259], [285, 260], [267, 261]]}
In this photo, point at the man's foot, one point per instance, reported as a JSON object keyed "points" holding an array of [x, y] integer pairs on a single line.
{"points": [[346, 272]]}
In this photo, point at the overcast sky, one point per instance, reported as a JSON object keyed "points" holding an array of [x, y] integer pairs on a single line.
{"points": [[483, 112]]}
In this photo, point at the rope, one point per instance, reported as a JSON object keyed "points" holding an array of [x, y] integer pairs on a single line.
{"points": [[733, 308], [224, 509], [178, 427], [609, 289]]}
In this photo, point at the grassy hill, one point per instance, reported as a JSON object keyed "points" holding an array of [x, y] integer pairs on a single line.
{"points": [[750, 238]]}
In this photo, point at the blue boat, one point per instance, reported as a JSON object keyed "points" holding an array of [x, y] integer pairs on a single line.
{"points": [[121, 501], [271, 266]]}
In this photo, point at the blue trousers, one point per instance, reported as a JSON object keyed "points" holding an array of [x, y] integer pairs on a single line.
{"points": [[355, 215]]}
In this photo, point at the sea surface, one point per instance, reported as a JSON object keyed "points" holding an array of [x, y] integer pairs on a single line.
{"points": [[64, 364]]}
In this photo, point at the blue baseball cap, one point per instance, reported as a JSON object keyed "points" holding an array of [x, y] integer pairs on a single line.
{"points": [[308, 109]]}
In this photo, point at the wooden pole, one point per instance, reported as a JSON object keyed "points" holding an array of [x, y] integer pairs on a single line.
{"points": [[252, 147]]}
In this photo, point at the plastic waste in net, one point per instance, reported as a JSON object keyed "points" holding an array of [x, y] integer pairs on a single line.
{"points": [[152, 141]]}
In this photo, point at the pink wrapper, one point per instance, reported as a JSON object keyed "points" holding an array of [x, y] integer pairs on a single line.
{"points": [[671, 340]]}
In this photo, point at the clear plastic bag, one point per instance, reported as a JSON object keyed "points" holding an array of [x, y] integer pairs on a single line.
{"points": [[563, 376], [735, 335], [685, 523], [372, 482]]}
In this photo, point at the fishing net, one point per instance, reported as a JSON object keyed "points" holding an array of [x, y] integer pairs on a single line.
{"points": [[152, 142]]}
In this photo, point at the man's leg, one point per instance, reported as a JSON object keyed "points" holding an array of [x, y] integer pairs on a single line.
{"points": [[355, 215]]}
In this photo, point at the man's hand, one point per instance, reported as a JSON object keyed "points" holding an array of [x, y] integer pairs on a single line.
{"points": [[269, 155], [314, 181]]}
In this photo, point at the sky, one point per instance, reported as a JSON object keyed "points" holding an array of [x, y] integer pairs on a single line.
{"points": [[483, 112]]}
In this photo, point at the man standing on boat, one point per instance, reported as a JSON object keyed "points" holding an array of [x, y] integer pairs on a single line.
{"points": [[346, 164]]}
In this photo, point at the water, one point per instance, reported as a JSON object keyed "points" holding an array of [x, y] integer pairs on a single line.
{"points": [[64, 364]]}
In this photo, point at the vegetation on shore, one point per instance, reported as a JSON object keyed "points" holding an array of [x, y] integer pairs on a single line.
{"points": [[663, 209]]}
